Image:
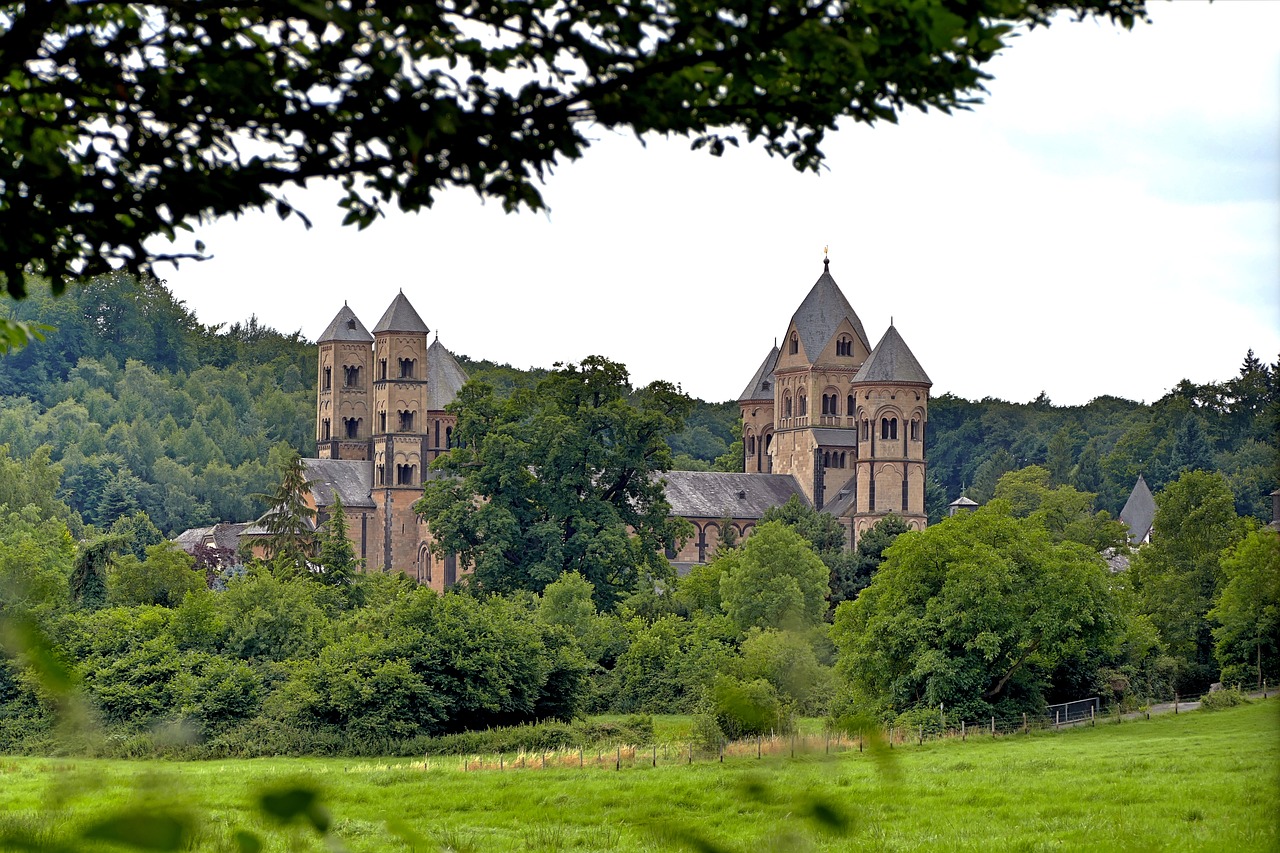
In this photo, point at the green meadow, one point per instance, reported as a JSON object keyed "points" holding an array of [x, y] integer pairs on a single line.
{"points": [[1199, 780]]}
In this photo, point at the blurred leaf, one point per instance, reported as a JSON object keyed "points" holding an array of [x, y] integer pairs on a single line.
{"points": [[291, 803], [147, 830], [829, 816], [247, 842]]}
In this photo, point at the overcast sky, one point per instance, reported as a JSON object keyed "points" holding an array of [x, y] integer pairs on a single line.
{"points": [[1108, 222]]}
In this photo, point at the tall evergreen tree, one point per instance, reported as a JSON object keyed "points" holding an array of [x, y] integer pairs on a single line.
{"points": [[337, 554], [1191, 450], [289, 520]]}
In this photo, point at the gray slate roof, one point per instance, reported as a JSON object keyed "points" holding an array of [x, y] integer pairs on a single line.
{"points": [[761, 385], [345, 327], [445, 377], [831, 437], [1139, 511], [715, 494], [820, 314], [892, 361], [840, 504], [350, 479], [400, 317]]}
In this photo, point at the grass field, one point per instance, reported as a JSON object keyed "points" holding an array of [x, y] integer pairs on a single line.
{"points": [[1203, 780]]}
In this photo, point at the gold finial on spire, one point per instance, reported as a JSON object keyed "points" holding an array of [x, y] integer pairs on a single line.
{"points": [[825, 249], [826, 261]]}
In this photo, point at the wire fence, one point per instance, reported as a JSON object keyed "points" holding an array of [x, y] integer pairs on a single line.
{"points": [[1083, 712]]}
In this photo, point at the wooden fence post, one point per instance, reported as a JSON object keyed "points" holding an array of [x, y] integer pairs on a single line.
{"points": [[890, 740], [922, 735], [1092, 720], [722, 750], [993, 728], [963, 736], [759, 743], [580, 762], [618, 761], [1175, 703], [500, 761], [1024, 722]]}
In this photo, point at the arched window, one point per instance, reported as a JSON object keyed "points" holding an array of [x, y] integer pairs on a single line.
{"points": [[802, 406], [326, 379], [842, 458], [448, 436], [866, 429], [849, 406], [844, 347], [751, 444], [382, 474], [786, 406], [382, 368], [382, 422], [352, 427], [406, 368], [324, 429], [826, 459], [795, 344], [424, 560], [915, 429], [888, 428], [406, 422], [350, 376]]}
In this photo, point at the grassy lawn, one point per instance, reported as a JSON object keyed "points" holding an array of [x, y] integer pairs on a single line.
{"points": [[1202, 780]]}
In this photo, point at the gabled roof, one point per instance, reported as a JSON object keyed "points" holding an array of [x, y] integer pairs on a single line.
{"points": [[892, 361], [400, 317], [761, 385], [445, 377], [1139, 511], [349, 479], [715, 494], [819, 315], [345, 327]]}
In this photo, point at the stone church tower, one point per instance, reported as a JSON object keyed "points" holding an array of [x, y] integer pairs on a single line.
{"points": [[846, 420], [381, 400]]}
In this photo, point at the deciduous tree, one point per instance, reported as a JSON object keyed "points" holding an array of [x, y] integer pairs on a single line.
{"points": [[563, 478], [974, 613]]}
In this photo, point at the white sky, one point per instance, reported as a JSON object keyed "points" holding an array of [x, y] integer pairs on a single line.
{"points": [[1107, 223]]}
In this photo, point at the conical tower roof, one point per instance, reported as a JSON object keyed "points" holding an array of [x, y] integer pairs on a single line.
{"points": [[400, 317], [345, 327], [892, 361], [445, 377], [761, 385], [819, 315], [1139, 511]]}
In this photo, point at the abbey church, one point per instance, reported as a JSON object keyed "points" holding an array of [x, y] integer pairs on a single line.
{"points": [[827, 417]]}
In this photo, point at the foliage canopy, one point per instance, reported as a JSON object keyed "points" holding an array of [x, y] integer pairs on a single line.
{"points": [[121, 122], [560, 478]]}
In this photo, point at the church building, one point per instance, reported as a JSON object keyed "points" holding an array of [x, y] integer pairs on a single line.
{"points": [[826, 418]]}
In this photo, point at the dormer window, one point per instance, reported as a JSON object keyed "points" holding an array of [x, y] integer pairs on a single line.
{"points": [[351, 325]]}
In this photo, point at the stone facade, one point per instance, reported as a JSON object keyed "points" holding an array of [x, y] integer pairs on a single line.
{"points": [[380, 403]]}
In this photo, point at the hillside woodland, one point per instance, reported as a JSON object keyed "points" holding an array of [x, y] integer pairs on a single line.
{"points": [[134, 421]]}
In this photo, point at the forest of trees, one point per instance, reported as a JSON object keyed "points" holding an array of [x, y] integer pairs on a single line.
{"points": [[135, 421]]}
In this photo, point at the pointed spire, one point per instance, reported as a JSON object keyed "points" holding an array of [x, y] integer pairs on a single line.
{"points": [[892, 361], [346, 326], [821, 313], [401, 317]]}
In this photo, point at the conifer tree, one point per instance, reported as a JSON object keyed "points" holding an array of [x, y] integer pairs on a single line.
{"points": [[337, 554], [289, 521]]}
